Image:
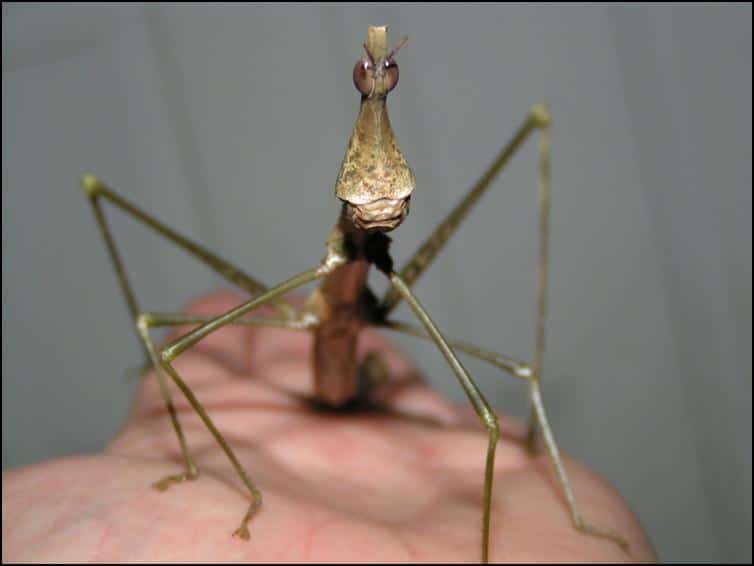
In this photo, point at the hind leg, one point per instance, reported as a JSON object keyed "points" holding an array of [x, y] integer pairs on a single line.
{"points": [[373, 373]]}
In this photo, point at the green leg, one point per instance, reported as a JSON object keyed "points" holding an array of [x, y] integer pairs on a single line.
{"points": [[537, 120], [542, 270], [145, 322], [511, 365], [552, 447], [180, 345], [524, 371], [192, 471], [480, 404], [157, 320], [175, 348], [95, 190]]}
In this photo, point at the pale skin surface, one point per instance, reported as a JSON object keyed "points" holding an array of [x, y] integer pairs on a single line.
{"points": [[367, 486]]}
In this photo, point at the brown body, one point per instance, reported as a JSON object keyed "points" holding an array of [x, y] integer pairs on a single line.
{"points": [[341, 311]]}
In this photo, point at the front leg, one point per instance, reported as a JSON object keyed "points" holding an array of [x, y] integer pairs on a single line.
{"points": [[170, 352], [481, 406], [147, 321]]}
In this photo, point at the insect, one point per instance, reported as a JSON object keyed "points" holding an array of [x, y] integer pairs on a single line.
{"points": [[374, 187]]}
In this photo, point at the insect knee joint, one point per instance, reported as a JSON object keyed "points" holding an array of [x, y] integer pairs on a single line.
{"points": [[91, 185], [525, 371], [490, 422], [144, 321], [540, 115], [168, 354]]}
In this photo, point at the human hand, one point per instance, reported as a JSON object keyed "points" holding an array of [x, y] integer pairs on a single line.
{"points": [[368, 486]]}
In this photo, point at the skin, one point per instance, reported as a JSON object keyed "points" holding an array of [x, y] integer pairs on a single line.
{"points": [[370, 485]]}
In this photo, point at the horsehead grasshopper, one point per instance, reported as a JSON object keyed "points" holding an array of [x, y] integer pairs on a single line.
{"points": [[374, 186]]}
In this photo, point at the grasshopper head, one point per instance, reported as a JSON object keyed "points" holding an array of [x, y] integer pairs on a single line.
{"points": [[375, 181]]}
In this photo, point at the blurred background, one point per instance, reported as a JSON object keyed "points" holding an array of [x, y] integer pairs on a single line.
{"points": [[230, 123]]}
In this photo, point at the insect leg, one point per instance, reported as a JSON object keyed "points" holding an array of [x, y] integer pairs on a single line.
{"points": [[480, 404], [145, 322], [543, 179], [506, 363], [142, 326], [538, 119], [176, 347], [373, 373], [95, 190], [552, 448], [524, 371]]}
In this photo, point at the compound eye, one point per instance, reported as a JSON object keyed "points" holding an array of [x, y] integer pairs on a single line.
{"points": [[362, 76], [391, 73]]}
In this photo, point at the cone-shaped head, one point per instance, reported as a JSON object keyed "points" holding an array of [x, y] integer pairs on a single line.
{"points": [[375, 182]]}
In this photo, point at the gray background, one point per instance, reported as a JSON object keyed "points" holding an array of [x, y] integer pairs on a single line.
{"points": [[230, 123]]}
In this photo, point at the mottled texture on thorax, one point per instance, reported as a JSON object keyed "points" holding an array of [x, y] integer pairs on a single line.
{"points": [[374, 167]]}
